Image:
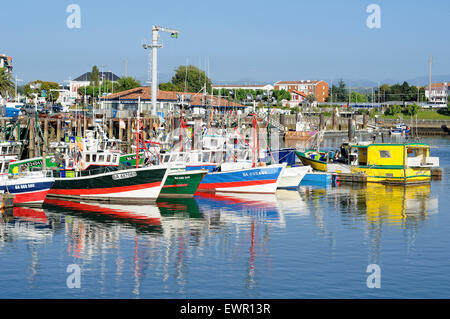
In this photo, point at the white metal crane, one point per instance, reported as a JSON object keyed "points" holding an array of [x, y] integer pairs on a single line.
{"points": [[154, 46]]}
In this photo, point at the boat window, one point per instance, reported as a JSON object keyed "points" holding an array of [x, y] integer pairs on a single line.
{"points": [[94, 157], [101, 158], [88, 158], [114, 158], [385, 154], [411, 152], [108, 158]]}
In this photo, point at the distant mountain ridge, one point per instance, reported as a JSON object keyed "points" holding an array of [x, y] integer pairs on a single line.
{"points": [[360, 83]]}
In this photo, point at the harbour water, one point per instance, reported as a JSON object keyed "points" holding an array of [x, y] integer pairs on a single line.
{"points": [[314, 242]]}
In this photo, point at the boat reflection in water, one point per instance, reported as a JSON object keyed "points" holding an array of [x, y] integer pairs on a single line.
{"points": [[31, 226], [241, 208], [178, 207], [26, 223], [399, 204], [290, 202], [252, 218], [104, 212], [376, 203]]}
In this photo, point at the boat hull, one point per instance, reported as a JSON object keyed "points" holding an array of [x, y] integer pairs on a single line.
{"points": [[29, 191], [262, 179], [141, 185], [182, 184], [315, 164], [292, 176], [395, 175]]}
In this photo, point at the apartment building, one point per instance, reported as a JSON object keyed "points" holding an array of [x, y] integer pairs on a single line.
{"points": [[318, 88]]}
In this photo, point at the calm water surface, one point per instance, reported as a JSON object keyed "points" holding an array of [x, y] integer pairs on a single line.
{"points": [[314, 242]]}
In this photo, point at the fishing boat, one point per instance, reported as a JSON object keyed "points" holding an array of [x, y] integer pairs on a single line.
{"points": [[30, 188], [400, 129], [11, 148], [391, 163], [182, 183], [260, 179], [292, 176], [317, 160], [134, 185]]}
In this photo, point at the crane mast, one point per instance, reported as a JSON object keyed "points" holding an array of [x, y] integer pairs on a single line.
{"points": [[154, 46]]}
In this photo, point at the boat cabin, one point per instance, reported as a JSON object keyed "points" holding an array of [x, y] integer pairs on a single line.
{"points": [[4, 164], [10, 148], [391, 155]]}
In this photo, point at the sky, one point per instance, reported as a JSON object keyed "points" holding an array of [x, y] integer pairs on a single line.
{"points": [[234, 41]]}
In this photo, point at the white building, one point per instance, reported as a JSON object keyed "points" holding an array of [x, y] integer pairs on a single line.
{"points": [[65, 98], [438, 94], [85, 79]]}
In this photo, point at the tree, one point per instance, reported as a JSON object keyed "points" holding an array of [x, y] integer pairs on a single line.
{"points": [[191, 79], [311, 98], [94, 77], [281, 95], [126, 83], [358, 97], [37, 87], [168, 86], [6, 84], [393, 109], [412, 109], [401, 92], [338, 93]]}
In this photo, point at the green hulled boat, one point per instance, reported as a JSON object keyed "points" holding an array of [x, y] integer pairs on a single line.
{"points": [[181, 183]]}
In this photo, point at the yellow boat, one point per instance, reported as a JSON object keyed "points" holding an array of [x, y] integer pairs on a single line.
{"points": [[392, 163], [317, 160]]}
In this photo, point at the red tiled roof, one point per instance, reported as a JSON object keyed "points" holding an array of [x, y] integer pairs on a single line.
{"points": [[145, 93], [436, 86], [299, 93]]}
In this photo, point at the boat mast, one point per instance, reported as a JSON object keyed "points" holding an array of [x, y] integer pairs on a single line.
{"points": [[138, 131]]}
